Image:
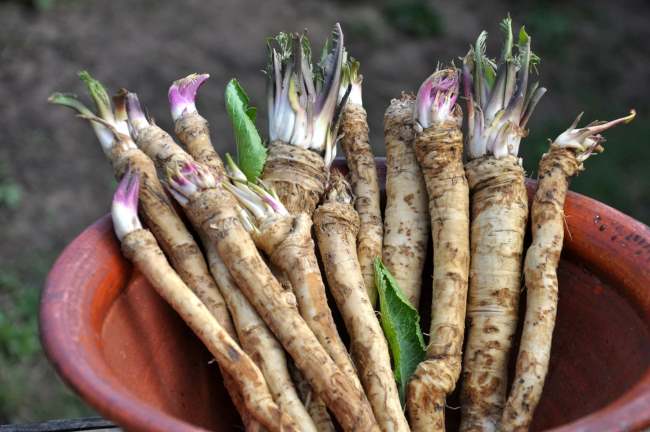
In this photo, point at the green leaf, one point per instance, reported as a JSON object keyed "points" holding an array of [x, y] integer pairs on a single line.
{"points": [[401, 324], [251, 153], [69, 100]]}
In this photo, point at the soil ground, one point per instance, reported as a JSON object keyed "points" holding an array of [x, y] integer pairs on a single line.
{"points": [[54, 180]]}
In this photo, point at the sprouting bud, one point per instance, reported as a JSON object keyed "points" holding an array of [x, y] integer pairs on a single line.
{"points": [[69, 100], [303, 97], [199, 176], [121, 115], [339, 190], [260, 199], [499, 98], [124, 209], [247, 198], [110, 126], [137, 118], [246, 220], [181, 185], [351, 79], [436, 99], [107, 131], [182, 94], [587, 140], [270, 198], [99, 96], [234, 172], [186, 178]]}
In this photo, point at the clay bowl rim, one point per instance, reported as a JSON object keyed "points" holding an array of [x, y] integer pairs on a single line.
{"points": [[629, 411]]}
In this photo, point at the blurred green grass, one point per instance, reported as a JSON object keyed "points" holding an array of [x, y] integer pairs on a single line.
{"points": [[10, 190], [30, 389], [416, 18]]}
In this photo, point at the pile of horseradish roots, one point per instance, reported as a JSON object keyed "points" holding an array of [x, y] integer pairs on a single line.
{"points": [[276, 234]]}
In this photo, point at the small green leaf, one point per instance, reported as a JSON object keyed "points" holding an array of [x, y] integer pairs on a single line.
{"points": [[523, 36], [99, 95], [526, 58], [69, 100], [251, 153], [506, 28], [401, 324]]}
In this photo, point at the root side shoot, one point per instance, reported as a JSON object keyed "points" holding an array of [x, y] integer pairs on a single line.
{"points": [[363, 176]]}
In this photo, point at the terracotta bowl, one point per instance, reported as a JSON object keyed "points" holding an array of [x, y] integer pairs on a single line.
{"points": [[129, 356]]}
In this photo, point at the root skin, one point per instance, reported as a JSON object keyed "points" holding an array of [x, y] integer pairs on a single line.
{"points": [[157, 144], [194, 132], [298, 176], [337, 225], [213, 212], [406, 218], [363, 178], [315, 406], [540, 270], [439, 150], [499, 210], [288, 243], [259, 342], [141, 248]]}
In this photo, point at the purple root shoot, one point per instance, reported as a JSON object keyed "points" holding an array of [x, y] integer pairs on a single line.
{"points": [[436, 98], [125, 205], [182, 94], [188, 179], [137, 118]]}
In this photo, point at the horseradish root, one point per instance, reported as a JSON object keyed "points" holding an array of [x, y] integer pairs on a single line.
{"points": [[406, 217], [209, 207], [498, 110], [439, 151], [140, 247], [363, 175], [337, 225], [286, 240], [563, 161], [254, 336]]}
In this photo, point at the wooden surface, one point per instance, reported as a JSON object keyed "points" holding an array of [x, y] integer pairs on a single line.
{"points": [[96, 424], [126, 352]]}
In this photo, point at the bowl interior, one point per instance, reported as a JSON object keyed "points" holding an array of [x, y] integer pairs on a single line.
{"points": [[129, 355], [157, 357]]}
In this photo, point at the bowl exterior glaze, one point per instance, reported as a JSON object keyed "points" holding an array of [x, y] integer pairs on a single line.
{"points": [[125, 351]]}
